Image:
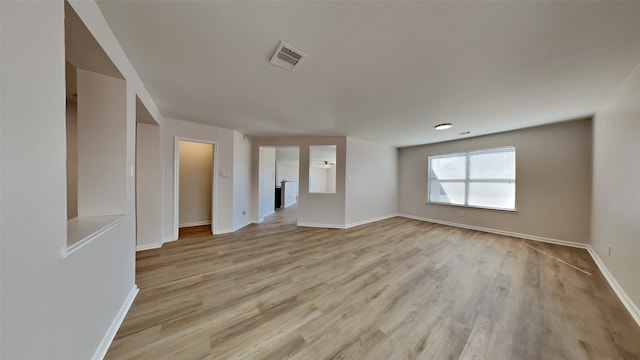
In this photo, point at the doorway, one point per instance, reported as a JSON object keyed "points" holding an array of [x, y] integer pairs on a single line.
{"points": [[278, 179], [194, 187]]}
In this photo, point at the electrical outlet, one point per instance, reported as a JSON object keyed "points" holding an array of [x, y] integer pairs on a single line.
{"points": [[609, 250], [462, 213], [244, 212]]}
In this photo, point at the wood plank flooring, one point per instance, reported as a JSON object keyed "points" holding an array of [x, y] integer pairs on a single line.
{"points": [[395, 289]]}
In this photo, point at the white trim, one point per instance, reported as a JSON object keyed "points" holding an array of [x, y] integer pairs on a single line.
{"points": [[236, 228], [622, 295], [368, 221], [501, 232], [223, 231], [108, 337], [167, 239], [176, 185], [176, 182], [261, 219], [328, 226], [289, 204], [195, 223], [148, 246], [68, 250]]}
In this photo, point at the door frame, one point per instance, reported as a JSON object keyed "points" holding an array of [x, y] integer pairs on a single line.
{"points": [[176, 183]]}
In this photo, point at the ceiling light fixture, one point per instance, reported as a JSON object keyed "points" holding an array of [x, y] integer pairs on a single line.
{"points": [[444, 126]]}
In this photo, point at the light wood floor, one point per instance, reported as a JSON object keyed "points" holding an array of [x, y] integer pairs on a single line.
{"points": [[395, 289]]}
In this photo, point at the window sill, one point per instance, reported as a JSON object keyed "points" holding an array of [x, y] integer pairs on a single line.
{"points": [[83, 230]]}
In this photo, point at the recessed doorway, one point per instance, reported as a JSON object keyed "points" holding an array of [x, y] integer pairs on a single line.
{"points": [[194, 187]]}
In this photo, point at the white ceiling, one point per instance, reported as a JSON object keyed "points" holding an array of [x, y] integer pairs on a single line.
{"points": [[383, 71]]}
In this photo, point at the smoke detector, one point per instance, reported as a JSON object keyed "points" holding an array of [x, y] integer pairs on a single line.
{"points": [[287, 57]]}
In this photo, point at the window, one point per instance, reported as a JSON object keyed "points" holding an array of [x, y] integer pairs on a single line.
{"points": [[322, 169], [484, 178]]}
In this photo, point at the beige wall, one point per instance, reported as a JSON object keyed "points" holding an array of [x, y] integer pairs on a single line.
{"points": [[102, 138], [148, 189], [616, 192], [372, 181], [72, 159], [553, 182], [196, 186], [241, 180]]}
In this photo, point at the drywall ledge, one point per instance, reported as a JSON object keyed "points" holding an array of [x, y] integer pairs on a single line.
{"points": [[102, 349], [83, 230]]}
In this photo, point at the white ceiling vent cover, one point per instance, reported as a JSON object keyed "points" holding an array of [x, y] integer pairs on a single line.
{"points": [[287, 57]]}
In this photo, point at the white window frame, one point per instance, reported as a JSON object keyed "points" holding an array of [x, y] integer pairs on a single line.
{"points": [[467, 180]]}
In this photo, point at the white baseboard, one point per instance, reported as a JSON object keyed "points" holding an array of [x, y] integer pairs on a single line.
{"points": [[101, 351], [143, 247], [236, 228], [328, 226], [622, 295], [167, 239], [348, 226], [195, 223], [501, 232], [222, 231], [368, 221]]}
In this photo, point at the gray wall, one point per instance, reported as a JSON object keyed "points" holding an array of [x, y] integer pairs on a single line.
{"points": [[148, 189], [52, 307], [372, 181], [241, 180], [553, 182], [72, 159], [616, 175]]}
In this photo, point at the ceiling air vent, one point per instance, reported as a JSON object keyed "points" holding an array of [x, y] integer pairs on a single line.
{"points": [[287, 57]]}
